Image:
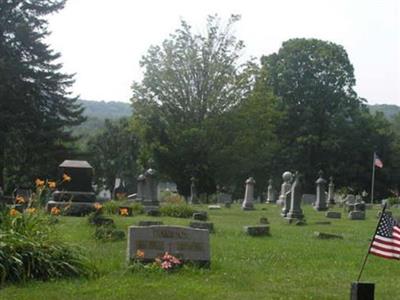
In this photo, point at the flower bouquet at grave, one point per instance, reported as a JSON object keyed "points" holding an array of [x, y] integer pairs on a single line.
{"points": [[168, 262]]}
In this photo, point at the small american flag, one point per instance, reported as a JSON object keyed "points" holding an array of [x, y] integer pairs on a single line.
{"points": [[386, 242], [377, 162]]}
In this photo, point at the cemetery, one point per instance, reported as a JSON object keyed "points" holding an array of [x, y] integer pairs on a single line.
{"points": [[218, 174], [249, 250]]}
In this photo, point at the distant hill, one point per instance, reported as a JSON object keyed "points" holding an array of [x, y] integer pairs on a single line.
{"points": [[97, 112], [389, 110], [106, 110]]}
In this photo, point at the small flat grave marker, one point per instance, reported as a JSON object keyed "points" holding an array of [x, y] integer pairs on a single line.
{"points": [[184, 242], [333, 215], [327, 236], [257, 230]]}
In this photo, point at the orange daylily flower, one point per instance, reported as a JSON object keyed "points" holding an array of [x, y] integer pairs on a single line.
{"points": [[98, 206], [139, 253], [66, 178], [52, 184], [19, 200], [13, 212], [55, 211], [39, 183], [123, 212], [31, 210]]}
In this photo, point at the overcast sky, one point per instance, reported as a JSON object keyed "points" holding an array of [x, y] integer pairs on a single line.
{"points": [[102, 41]]}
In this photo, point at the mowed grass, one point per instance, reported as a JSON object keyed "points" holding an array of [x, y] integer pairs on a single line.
{"points": [[289, 264]]}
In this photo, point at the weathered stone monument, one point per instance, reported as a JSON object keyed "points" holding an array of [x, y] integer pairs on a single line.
{"points": [[249, 194], [151, 195], [194, 198], [141, 188], [75, 191], [284, 198], [320, 202], [295, 212], [331, 191], [188, 244], [270, 192]]}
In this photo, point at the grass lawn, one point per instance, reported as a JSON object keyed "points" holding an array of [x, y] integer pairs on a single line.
{"points": [[290, 264]]}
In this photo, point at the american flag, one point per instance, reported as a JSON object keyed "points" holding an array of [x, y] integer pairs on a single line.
{"points": [[386, 242], [377, 162]]}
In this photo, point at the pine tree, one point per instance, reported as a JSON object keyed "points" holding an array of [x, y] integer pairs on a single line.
{"points": [[36, 109]]}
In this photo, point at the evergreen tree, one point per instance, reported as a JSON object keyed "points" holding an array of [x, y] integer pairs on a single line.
{"points": [[35, 108]]}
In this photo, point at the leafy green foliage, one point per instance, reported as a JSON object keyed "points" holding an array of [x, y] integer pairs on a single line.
{"points": [[35, 109], [114, 153], [177, 210], [29, 250]]}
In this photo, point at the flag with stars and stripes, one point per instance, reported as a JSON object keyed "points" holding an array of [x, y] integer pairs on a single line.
{"points": [[386, 242]]}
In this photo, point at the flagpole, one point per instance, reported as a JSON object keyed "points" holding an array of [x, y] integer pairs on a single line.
{"points": [[370, 244], [373, 179]]}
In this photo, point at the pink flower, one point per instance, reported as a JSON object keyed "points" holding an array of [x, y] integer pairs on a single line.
{"points": [[166, 265]]}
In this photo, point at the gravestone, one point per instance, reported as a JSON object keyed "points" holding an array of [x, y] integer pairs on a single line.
{"points": [[295, 212], [333, 215], [357, 215], [270, 193], [285, 189], [327, 236], [320, 202], [249, 195], [202, 225], [224, 198], [186, 243], [214, 207], [76, 195], [257, 230], [331, 191], [194, 198], [151, 195], [141, 188], [200, 216]]}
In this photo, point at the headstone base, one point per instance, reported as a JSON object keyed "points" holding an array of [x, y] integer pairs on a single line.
{"points": [[321, 208], [150, 223], [362, 291], [248, 207]]}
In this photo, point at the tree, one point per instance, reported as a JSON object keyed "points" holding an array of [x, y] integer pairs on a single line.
{"points": [[114, 153], [35, 108], [188, 82], [314, 81]]}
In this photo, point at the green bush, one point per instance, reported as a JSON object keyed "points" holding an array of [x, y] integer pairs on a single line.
{"points": [[171, 198], [393, 201], [29, 250], [110, 207], [177, 210], [109, 233], [137, 208]]}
